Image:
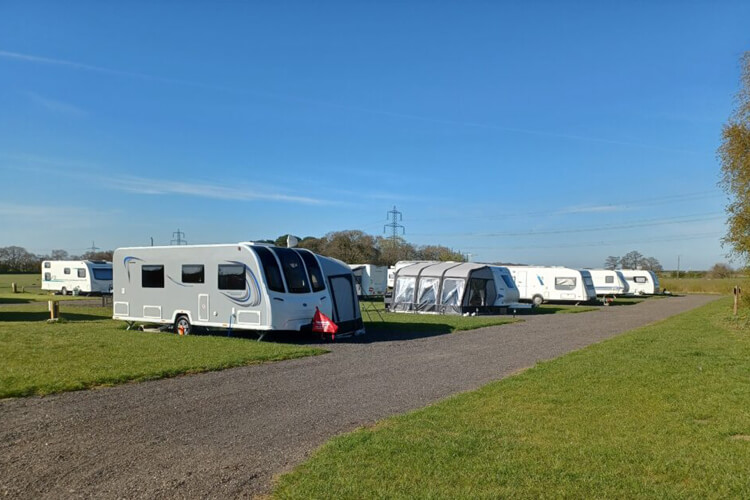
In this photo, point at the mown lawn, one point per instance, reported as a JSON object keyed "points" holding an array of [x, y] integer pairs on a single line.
{"points": [[87, 350], [31, 286], [662, 411]]}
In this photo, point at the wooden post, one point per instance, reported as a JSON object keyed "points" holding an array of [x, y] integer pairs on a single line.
{"points": [[54, 310], [737, 292], [13, 288]]}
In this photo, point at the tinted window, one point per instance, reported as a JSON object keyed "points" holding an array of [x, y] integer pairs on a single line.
{"points": [[231, 277], [294, 271], [152, 276], [66, 270], [609, 279], [508, 281], [193, 273], [81, 273], [47, 277], [101, 273], [640, 279], [313, 270], [270, 269], [47, 265]]}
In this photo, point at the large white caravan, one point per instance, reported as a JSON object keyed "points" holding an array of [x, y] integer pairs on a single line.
{"points": [[77, 276], [370, 280], [552, 284], [608, 282], [246, 286], [640, 282]]}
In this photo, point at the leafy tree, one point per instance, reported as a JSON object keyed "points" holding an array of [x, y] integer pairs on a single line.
{"points": [[612, 262], [105, 255], [392, 251], [438, 252], [15, 259], [720, 270], [59, 255], [652, 264], [353, 247], [632, 260], [734, 154]]}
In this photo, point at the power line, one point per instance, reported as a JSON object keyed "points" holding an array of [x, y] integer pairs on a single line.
{"points": [[93, 248], [395, 216], [178, 238]]}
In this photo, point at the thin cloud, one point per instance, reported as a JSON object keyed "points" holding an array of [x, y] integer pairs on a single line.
{"points": [[381, 112], [592, 209], [55, 105]]}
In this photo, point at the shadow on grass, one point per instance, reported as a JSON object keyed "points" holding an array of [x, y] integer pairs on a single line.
{"points": [[15, 301], [16, 316]]}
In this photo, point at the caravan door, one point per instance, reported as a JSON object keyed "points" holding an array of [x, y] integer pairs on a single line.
{"points": [[520, 278], [344, 298]]}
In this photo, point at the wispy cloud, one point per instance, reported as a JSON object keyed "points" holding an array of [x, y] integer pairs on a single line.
{"points": [[592, 209], [153, 186], [55, 105], [346, 107]]}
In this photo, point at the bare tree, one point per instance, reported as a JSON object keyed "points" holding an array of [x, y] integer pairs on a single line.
{"points": [[612, 262]]}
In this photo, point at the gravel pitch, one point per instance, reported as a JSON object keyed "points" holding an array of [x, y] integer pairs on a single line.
{"points": [[228, 433]]}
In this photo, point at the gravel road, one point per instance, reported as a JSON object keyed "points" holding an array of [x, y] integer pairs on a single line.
{"points": [[227, 434]]}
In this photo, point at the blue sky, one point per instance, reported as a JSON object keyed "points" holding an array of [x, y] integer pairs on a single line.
{"points": [[536, 132]]}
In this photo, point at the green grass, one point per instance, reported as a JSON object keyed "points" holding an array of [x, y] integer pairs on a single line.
{"points": [[87, 350], [659, 412], [32, 292], [704, 285]]}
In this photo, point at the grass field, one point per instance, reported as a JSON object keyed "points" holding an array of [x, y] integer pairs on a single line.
{"points": [[658, 412], [32, 292], [87, 350], [704, 285]]}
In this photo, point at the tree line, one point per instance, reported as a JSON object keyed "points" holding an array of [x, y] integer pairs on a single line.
{"points": [[633, 260], [14, 259]]}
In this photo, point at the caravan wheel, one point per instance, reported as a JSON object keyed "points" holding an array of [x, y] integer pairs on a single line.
{"points": [[182, 324], [63, 291], [537, 300]]}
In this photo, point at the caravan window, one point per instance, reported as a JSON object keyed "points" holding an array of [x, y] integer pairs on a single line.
{"points": [[453, 290], [102, 273], [428, 289], [477, 292], [81, 273], [609, 279], [270, 269], [404, 291], [294, 271], [640, 279], [193, 273], [565, 283], [47, 265], [152, 276], [508, 281], [47, 277], [231, 277], [313, 270], [66, 270]]}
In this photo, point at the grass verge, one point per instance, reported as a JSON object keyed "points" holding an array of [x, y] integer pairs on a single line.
{"points": [[659, 412], [86, 350]]}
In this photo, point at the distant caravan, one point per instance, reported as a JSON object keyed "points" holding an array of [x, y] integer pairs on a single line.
{"points": [[608, 282], [539, 284], [244, 286], [370, 280], [83, 277], [640, 282]]}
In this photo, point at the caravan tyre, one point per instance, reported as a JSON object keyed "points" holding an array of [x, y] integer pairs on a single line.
{"points": [[63, 291], [182, 323], [537, 300]]}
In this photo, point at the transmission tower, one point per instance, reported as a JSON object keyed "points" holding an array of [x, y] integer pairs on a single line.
{"points": [[394, 216], [178, 238], [93, 248]]}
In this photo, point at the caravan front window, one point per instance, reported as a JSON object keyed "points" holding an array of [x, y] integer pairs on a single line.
{"points": [[404, 292], [313, 269], [565, 283], [102, 273], [231, 277], [453, 290], [294, 271], [270, 269], [508, 281]]}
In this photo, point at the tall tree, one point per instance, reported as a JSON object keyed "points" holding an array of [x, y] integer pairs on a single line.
{"points": [[59, 255], [632, 260], [652, 264], [612, 262], [734, 154]]}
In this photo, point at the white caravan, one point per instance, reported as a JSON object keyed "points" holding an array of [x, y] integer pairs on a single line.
{"points": [[370, 280], [640, 282], [507, 291], [77, 276], [247, 286], [552, 284], [608, 282]]}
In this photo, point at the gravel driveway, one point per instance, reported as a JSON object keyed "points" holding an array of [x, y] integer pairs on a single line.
{"points": [[229, 433]]}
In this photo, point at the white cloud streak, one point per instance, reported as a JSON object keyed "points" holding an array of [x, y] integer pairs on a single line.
{"points": [[55, 105]]}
